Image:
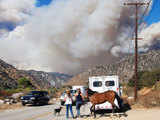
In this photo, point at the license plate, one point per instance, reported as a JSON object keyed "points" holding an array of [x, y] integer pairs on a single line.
{"points": [[25, 100]]}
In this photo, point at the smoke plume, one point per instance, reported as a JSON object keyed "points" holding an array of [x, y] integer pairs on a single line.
{"points": [[68, 35]]}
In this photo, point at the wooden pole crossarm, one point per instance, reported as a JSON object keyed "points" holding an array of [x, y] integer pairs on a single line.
{"points": [[137, 38], [136, 3]]}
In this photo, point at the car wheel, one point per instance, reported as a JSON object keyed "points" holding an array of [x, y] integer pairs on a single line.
{"points": [[23, 104], [34, 103], [46, 103]]}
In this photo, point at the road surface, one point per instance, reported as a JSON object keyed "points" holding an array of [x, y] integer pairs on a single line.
{"points": [[37, 113], [46, 113], [29, 113]]}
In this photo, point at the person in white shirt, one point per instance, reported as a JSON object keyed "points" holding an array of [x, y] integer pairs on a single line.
{"points": [[68, 103]]}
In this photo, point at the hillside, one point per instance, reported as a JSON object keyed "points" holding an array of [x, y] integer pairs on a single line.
{"points": [[49, 79], [39, 79], [9, 76], [124, 68]]}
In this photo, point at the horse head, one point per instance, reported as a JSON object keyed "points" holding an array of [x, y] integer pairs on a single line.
{"points": [[90, 92]]}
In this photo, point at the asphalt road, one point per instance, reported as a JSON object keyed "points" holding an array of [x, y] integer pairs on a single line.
{"points": [[38, 113], [46, 113], [29, 113]]}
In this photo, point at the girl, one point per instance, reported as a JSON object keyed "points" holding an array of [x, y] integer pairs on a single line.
{"points": [[68, 103]]}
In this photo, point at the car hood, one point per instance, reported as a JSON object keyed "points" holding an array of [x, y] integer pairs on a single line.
{"points": [[27, 97]]}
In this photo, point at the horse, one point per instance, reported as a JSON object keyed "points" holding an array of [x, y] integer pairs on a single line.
{"points": [[99, 98]]}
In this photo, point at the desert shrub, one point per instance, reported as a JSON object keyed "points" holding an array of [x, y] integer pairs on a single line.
{"points": [[52, 91], [24, 83], [4, 93], [156, 86], [131, 82], [150, 78], [146, 78], [128, 91]]}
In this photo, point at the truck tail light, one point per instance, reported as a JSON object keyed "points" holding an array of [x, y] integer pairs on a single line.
{"points": [[117, 89]]}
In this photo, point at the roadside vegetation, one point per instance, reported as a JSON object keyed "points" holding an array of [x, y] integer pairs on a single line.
{"points": [[146, 79], [24, 86], [148, 89]]}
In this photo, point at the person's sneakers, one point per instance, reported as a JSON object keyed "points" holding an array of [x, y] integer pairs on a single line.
{"points": [[78, 116], [74, 117]]}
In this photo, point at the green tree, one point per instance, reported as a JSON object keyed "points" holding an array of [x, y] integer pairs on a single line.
{"points": [[131, 82], [146, 78], [24, 83], [150, 78]]}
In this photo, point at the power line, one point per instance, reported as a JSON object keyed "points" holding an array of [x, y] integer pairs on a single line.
{"points": [[136, 4], [139, 23]]}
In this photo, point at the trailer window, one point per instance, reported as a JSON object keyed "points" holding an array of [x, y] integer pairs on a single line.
{"points": [[109, 83], [97, 84]]}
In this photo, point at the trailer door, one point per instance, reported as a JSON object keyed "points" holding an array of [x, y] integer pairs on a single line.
{"points": [[112, 84]]}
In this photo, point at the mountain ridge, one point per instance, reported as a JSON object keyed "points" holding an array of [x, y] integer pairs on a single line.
{"points": [[9, 75], [124, 68]]}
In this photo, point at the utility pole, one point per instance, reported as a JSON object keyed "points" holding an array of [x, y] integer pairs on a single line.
{"points": [[136, 4]]}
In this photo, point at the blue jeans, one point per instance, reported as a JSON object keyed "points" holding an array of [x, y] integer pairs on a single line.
{"points": [[69, 107], [78, 105]]}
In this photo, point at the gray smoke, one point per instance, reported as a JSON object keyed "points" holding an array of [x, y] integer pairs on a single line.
{"points": [[66, 36]]}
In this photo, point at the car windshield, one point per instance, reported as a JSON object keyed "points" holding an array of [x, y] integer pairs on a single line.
{"points": [[34, 93], [73, 91]]}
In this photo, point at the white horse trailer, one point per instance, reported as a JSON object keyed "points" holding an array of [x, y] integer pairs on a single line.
{"points": [[101, 84]]}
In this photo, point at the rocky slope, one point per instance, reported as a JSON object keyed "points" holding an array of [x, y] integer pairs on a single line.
{"points": [[39, 79], [9, 76], [49, 79], [123, 68]]}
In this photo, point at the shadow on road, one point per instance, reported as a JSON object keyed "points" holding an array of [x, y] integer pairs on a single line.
{"points": [[107, 113], [38, 105]]}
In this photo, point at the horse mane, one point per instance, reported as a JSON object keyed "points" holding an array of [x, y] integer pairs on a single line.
{"points": [[90, 92]]}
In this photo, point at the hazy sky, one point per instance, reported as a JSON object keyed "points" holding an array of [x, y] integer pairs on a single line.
{"points": [[152, 17], [70, 35]]}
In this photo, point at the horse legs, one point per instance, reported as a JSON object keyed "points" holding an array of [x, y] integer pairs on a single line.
{"points": [[91, 109], [113, 107], [94, 111]]}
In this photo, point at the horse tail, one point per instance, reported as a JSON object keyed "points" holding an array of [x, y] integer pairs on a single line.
{"points": [[119, 100]]}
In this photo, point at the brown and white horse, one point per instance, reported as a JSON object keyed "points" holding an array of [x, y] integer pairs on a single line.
{"points": [[99, 98]]}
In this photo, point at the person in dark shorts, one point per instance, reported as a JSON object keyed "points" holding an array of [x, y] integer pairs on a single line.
{"points": [[79, 101]]}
